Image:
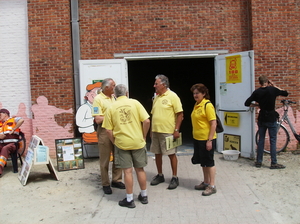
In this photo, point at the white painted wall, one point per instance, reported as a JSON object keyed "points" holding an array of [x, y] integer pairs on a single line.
{"points": [[14, 56]]}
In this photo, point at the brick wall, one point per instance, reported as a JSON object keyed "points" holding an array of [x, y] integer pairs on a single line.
{"points": [[50, 49], [270, 28], [109, 27], [276, 41]]}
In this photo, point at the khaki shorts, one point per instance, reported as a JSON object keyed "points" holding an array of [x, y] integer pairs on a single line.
{"points": [[158, 144], [130, 158]]}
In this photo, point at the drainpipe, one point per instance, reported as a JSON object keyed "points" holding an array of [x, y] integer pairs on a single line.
{"points": [[76, 49]]}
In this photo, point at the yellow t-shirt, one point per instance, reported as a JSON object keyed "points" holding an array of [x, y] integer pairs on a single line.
{"points": [[164, 110], [124, 118], [101, 103], [200, 120]]}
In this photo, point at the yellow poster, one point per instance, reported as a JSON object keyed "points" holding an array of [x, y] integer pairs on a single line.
{"points": [[232, 119], [233, 69], [232, 142]]}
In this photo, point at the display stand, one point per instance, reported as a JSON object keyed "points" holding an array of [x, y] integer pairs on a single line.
{"points": [[37, 154], [69, 154]]}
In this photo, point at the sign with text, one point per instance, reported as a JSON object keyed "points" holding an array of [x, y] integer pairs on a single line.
{"points": [[232, 142], [37, 154], [69, 154], [232, 119], [233, 69]]}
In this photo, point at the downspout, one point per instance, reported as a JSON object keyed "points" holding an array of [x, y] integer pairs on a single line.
{"points": [[76, 49]]}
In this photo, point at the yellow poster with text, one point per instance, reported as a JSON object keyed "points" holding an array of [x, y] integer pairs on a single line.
{"points": [[233, 69]]}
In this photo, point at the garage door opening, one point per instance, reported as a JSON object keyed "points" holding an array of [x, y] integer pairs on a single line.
{"points": [[182, 74]]}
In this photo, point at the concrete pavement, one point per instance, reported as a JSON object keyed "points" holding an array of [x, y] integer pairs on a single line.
{"points": [[245, 194]]}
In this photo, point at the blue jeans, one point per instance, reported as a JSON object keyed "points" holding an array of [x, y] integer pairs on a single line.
{"points": [[262, 128]]}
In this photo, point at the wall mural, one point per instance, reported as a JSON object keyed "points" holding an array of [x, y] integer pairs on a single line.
{"points": [[84, 118], [44, 125]]}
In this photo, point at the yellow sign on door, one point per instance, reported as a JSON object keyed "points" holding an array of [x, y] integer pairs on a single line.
{"points": [[232, 119], [233, 69], [232, 142]]}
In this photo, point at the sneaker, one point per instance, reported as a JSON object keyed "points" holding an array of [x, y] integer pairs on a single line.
{"points": [[143, 199], [125, 203], [174, 183], [277, 166], [157, 180], [107, 190], [257, 164], [209, 190], [119, 185], [201, 187]]}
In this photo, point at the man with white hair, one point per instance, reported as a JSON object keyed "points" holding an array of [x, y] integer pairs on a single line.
{"points": [[101, 102], [127, 124]]}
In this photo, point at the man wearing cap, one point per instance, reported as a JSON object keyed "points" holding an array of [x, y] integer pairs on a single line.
{"points": [[101, 103], [9, 135]]}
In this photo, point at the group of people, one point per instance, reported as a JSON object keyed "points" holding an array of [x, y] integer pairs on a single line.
{"points": [[123, 125]]}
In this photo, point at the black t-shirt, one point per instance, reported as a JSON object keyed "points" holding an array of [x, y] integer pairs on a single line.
{"points": [[266, 97]]}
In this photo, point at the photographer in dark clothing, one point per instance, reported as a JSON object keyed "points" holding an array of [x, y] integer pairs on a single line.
{"points": [[264, 97]]}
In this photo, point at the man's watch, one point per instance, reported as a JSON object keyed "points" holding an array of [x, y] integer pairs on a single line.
{"points": [[176, 130], [209, 140]]}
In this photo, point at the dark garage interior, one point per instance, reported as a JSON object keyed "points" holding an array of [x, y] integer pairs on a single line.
{"points": [[182, 74]]}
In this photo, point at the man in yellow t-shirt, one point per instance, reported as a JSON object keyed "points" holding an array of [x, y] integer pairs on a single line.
{"points": [[101, 102], [127, 124], [167, 115]]}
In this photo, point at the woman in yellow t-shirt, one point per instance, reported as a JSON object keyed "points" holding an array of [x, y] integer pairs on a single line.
{"points": [[204, 133]]}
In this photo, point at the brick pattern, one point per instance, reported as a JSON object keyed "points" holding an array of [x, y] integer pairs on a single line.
{"points": [[276, 41], [270, 27], [50, 50]]}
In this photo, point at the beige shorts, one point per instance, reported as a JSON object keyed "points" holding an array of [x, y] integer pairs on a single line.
{"points": [[158, 144]]}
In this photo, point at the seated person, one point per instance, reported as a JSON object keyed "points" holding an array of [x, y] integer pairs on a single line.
{"points": [[9, 135]]}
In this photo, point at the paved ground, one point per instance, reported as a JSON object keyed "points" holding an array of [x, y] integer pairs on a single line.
{"points": [[245, 195]]}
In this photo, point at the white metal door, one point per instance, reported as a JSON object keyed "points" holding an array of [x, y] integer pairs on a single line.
{"points": [[234, 84], [95, 70]]}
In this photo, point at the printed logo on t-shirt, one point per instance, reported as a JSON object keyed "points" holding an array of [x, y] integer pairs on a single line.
{"points": [[164, 102], [125, 115], [96, 110]]}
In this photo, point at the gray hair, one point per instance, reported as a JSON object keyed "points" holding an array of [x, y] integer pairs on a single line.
{"points": [[164, 80], [106, 82], [120, 90]]}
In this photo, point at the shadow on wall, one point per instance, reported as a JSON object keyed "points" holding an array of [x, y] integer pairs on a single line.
{"points": [[44, 125]]}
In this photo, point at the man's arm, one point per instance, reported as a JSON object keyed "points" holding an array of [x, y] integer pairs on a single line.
{"points": [[146, 126], [250, 102], [99, 119], [110, 135], [179, 118], [18, 124]]}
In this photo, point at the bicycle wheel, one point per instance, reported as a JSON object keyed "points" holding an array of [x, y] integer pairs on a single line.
{"points": [[283, 139]]}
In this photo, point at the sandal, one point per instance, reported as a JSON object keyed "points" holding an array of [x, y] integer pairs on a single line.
{"points": [[277, 166]]}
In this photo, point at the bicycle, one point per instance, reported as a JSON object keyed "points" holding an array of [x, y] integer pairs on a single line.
{"points": [[283, 136]]}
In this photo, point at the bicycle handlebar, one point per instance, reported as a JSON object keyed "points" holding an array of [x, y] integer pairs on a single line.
{"points": [[285, 102]]}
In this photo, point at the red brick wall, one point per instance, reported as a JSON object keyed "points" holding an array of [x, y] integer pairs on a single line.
{"points": [[276, 41], [270, 27], [109, 27], [50, 49]]}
